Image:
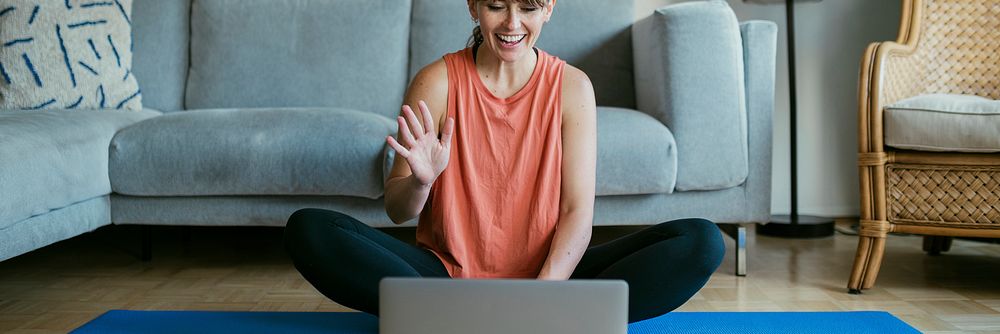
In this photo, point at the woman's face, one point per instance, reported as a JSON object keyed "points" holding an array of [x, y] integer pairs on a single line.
{"points": [[510, 28]]}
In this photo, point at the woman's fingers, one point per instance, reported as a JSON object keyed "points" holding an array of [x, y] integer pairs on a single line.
{"points": [[404, 132], [428, 118], [418, 130], [403, 152], [449, 129]]}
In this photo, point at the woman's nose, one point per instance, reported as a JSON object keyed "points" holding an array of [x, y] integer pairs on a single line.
{"points": [[513, 20]]}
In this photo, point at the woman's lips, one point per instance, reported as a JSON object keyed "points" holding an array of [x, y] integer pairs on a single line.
{"points": [[509, 41]]}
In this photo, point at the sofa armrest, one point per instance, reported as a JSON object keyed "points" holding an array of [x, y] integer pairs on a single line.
{"points": [[689, 75], [760, 40]]}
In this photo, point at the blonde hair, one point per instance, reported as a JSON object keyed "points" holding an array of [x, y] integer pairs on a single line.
{"points": [[477, 33]]}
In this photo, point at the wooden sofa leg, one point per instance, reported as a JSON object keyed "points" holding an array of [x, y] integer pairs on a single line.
{"points": [[146, 254]]}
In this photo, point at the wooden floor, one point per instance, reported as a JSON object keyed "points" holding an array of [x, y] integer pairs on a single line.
{"points": [[60, 287]]}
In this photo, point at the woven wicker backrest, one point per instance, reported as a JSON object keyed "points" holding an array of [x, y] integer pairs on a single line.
{"points": [[957, 51]]}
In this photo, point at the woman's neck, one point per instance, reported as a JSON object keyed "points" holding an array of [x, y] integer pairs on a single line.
{"points": [[504, 78]]}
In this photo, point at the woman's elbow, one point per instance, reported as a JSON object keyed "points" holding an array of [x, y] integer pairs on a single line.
{"points": [[396, 217], [398, 221]]}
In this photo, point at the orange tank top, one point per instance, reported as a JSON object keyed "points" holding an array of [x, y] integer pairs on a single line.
{"points": [[492, 212]]}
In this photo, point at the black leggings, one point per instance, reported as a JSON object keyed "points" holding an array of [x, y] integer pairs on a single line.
{"points": [[344, 259]]}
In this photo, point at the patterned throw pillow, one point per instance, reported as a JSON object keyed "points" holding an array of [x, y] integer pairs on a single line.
{"points": [[68, 54]]}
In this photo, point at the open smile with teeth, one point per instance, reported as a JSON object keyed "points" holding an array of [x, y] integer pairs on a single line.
{"points": [[510, 40]]}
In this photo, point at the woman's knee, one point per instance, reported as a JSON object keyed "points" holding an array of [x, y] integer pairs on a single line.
{"points": [[708, 242], [705, 240], [298, 218], [310, 218], [299, 223], [306, 227]]}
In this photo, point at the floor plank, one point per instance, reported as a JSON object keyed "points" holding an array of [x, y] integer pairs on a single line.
{"points": [[60, 287]]}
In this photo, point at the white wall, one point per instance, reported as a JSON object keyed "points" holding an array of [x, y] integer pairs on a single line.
{"points": [[830, 37]]}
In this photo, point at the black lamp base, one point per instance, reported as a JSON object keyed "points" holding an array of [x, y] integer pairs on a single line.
{"points": [[805, 227]]}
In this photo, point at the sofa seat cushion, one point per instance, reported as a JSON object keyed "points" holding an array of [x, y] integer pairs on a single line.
{"points": [[944, 122], [636, 154], [51, 159], [264, 151]]}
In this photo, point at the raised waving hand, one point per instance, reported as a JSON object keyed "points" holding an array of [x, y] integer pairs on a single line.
{"points": [[423, 151]]}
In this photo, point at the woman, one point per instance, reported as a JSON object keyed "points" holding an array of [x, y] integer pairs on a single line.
{"points": [[506, 190]]}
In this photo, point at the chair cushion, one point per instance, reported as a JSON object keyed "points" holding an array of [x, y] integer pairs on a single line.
{"points": [[280, 151], [67, 54], [299, 53], [53, 158], [944, 122], [636, 154]]}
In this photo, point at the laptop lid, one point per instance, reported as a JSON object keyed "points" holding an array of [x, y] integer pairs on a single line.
{"points": [[495, 306]]}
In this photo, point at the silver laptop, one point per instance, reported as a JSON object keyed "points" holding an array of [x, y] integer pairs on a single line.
{"points": [[445, 306]]}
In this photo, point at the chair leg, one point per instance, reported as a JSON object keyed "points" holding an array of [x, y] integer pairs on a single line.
{"points": [[934, 245], [867, 262], [874, 262], [860, 265], [946, 244]]}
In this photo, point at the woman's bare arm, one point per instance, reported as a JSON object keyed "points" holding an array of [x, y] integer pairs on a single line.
{"points": [[405, 192], [579, 173]]}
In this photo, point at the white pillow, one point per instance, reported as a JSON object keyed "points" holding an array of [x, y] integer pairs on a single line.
{"points": [[57, 54]]}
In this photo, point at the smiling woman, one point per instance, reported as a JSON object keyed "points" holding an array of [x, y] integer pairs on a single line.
{"points": [[496, 155]]}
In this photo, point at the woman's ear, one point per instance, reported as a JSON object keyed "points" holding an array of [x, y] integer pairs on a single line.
{"points": [[473, 10], [548, 10]]}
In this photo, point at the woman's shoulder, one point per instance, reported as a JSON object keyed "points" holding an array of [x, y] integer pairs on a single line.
{"points": [[576, 84], [438, 70], [573, 75], [430, 85], [432, 79]]}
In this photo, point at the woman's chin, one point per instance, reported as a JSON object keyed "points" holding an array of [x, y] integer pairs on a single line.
{"points": [[510, 54]]}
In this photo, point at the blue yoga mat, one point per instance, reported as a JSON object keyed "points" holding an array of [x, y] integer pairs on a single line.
{"points": [[119, 321]]}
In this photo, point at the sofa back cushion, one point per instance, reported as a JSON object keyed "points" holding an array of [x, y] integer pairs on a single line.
{"points": [[298, 53], [593, 35], [160, 59], [439, 27]]}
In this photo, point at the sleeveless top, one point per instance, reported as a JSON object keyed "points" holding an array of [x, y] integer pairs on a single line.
{"points": [[492, 212]]}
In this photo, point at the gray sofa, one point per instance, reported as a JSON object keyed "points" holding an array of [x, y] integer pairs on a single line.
{"points": [[256, 108]]}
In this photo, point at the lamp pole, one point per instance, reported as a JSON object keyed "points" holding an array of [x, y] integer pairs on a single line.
{"points": [[794, 225]]}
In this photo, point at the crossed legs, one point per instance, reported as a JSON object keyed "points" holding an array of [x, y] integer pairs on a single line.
{"points": [[345, 259]]}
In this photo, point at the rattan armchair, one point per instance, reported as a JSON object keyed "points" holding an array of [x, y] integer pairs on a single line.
{"points": [[944, 46]]}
